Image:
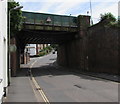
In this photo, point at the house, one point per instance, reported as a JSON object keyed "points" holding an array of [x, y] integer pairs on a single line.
{"points": [[119, 10], [3, 48], [31, 49], [34, 49]]}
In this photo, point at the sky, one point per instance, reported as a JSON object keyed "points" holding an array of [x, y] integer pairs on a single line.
{"points": [[72, 7]]}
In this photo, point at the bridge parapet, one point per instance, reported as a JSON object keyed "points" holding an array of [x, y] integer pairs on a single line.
{"points": [[41, 21]]}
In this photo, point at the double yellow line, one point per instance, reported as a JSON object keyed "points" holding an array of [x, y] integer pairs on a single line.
{"points": [[44, 97], [40, 91]]}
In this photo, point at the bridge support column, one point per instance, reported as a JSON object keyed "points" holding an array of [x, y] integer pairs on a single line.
{"points": [[14, 58], [61, 55], [74, 53]]}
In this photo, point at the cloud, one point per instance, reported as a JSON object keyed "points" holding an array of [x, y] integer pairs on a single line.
{"points": [[67, 1], [52, 0], [64, 7], [76, 7], [104, 8], [59, 7]]}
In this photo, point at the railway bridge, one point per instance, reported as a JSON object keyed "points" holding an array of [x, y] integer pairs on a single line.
{"points": [[67, 31]]}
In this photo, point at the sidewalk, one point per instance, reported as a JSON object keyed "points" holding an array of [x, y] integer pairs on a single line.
{"points": [[106, 76], [22, 90], [111, 77]]}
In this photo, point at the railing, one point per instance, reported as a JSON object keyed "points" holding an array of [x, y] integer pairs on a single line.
{"points": [[49, 19]]}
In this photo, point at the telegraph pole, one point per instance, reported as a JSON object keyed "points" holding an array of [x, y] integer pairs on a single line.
{"points": [[91, 12]]}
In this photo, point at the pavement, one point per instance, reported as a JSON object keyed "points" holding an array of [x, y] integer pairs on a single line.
{"points": [[22, 89]]}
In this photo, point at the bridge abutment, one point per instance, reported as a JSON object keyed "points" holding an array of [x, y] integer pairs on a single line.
{"points": [[14, 58], [74, 53]]}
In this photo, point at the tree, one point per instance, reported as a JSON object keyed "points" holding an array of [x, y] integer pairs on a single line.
{"points": [[15, 18], [107, 18], [54, 46]]}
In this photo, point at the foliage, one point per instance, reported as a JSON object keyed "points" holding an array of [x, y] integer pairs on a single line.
{"points": [[42, 53], [45, 51], [15, 18], [48, 48], [107, 17], [54, 46]]}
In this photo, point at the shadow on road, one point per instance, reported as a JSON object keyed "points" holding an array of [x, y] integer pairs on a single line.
{"points": [[51, 70]]}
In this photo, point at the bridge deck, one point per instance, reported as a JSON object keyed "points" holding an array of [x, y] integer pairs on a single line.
{"points": [[41, 21]]}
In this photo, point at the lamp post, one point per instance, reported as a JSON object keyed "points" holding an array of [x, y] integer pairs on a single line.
{"points": [[9, 69]]}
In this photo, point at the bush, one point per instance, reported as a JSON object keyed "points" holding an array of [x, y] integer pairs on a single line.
{"points": [[42, 53], [107, 17], [45, 51], [109, 20]]}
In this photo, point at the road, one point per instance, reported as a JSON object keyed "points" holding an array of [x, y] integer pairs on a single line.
{"points": [[60, 85]]}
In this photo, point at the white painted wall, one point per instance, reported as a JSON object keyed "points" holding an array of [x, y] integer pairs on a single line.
{"points": [[3, 46], [32, 49], [119, 10]]}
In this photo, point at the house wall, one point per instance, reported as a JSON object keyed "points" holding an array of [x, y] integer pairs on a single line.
{"points": [[3, 47], [119, 10], [32, 49]]}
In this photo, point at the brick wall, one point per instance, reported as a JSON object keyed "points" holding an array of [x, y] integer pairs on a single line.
{"points": [[103, 49], [73, 54], [95, 48]]}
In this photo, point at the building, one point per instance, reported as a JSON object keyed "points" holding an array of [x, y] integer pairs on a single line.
{"points": [[119, 10], [31, 49], [3, 48], [34, 49]]}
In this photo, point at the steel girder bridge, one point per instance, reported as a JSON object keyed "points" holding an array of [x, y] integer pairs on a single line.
{"points": [[41, 28]]}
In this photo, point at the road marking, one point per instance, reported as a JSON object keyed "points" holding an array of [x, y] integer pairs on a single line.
{"points": [[37, 97], [44, 97], [41, 91], [33, 64]]}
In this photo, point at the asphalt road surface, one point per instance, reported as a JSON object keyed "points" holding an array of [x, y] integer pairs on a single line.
{"points": [[60, 85]]}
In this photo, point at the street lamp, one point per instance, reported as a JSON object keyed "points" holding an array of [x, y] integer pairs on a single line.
{"points": [[9, 70]]}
